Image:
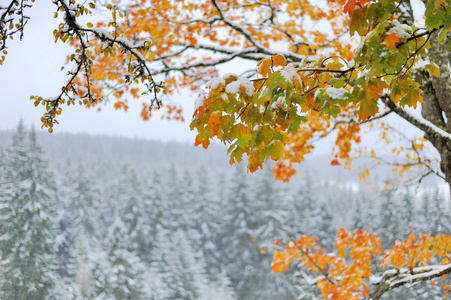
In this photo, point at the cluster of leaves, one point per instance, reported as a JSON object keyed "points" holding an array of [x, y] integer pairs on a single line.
{"points": [[321, 89], [350, 273], [12, 21], [105, 44]]}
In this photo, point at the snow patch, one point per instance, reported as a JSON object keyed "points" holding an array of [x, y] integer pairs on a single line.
{"points": [[227, 75], [215, 82], [336, 93], [200, 100], [402, 31], [290, 73], [235, 86]]}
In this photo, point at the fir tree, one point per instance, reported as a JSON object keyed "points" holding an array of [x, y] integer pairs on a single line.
{"points": [[207, 214], [181, 269], [134, 209], [388, 226], [240, 254], [125, 272], [439, 215], [325, 230], [26, 216], [407, 211]]}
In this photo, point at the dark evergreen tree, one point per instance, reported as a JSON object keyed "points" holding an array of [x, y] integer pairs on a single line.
{"points": [[26, 215]]}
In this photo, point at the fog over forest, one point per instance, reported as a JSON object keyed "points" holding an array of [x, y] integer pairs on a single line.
{"points": [[97, 217]]}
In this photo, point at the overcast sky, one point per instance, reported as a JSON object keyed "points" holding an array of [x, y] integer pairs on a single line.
{"points": [[32, 67]]}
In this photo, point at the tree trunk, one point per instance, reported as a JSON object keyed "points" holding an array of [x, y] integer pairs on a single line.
{"points": [[437, 102]]}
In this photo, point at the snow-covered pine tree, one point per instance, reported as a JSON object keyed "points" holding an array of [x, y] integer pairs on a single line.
{"points": [[134, 209], [125, 273], [407, 213], [304, 204], [83, 199], [26, 215], [240, 254], [207, 214], [181, 268], [221, 288], [388, 229], [271, 210], [325, 230], [439, 214], [358, 218], [84, 281]]}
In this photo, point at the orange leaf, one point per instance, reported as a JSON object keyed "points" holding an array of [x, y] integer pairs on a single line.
{"points": [[391, 40], [351, 4], [279, 60]]}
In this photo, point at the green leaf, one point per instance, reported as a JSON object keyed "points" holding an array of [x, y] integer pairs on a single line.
{"points": [[433, 69], [243, 141], [294, 126], [276, 150]]}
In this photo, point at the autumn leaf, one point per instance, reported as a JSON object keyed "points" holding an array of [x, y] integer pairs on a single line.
{"points": [[350, 6], [391, 40], [279, 60]]}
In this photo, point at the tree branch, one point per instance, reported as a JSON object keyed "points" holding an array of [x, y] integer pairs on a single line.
{"points": [[396, 278], [421, 124]]}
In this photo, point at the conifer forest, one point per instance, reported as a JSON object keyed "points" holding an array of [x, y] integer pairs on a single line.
{"points": [[85, 217]]}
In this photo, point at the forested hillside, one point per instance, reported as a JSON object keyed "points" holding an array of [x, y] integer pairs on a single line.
{"points": [[85, 217]]}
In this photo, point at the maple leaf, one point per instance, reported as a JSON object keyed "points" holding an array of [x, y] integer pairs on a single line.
{"points": [[351, 4], [391, 40]]}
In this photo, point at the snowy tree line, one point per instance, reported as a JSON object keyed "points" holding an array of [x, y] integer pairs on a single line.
{"points": [[178, 232]]}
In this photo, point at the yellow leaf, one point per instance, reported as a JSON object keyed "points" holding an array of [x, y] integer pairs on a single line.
{"points": [[264, 67], [279, 60], [89, 25], [433, 69]]}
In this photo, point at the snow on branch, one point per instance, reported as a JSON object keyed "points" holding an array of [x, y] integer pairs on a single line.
{"points": [[395, 278], [420, 123]]}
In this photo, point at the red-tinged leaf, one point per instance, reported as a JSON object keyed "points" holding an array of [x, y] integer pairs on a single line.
{"points": [[335, 162], [213, 121], [201, 112], [351, 4], [391, 40]]}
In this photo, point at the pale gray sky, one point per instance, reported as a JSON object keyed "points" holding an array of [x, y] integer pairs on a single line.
{"points": [[32, 67]]}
